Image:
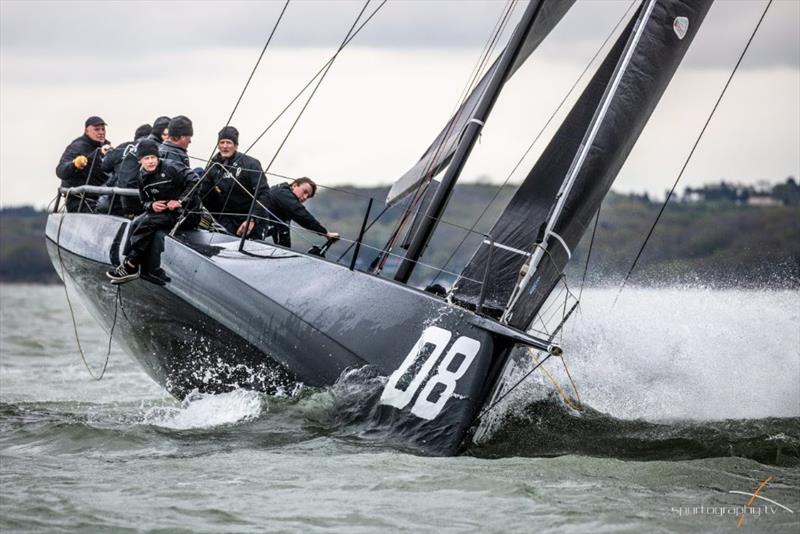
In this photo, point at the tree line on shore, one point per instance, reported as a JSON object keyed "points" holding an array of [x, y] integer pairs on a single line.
{"points": [[706, 237]]}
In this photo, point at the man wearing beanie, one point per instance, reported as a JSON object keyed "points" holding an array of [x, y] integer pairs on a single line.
{"points": [[232, 179], [159, 131], [81, 161], [180, 134], [165, 189], [122, 165]]}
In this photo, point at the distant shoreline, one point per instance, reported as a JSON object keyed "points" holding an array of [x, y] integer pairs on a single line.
{"points": [[738, 239]]}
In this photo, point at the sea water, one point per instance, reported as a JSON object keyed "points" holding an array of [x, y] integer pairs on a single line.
{"points": [[689, 402]]}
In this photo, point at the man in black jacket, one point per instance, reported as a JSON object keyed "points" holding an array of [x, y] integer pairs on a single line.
{"points": [[231, 180], [159, 133], [180, 133], [81, 163], [122, 165], [165, 188], [286, 205]]}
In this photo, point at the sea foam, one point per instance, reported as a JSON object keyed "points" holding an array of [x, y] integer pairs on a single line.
{"points": [[201, 410]]}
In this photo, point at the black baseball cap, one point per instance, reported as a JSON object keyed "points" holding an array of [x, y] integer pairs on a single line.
{"points": [[94, 121]]}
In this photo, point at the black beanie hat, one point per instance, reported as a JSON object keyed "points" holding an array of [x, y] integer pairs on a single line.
{"points": [[142, 131], [147, 147], [159, 125], [230, 133], [180, 126]]}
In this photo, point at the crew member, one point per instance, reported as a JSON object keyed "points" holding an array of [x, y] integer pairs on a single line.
{"points": [[180, 134], [165, 188], [81, 163], [122, 165], [159, 133], [286, 205], [231, 179]]}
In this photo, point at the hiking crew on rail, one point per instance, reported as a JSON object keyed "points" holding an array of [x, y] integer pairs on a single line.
{"points": [[81, 163], [232, 178], [157, 162], [165, 189]]}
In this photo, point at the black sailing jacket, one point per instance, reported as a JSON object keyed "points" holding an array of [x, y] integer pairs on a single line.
{"points": [[172, 152], [123, 166], [225, 195], [122, 163], [169, 181], [284, 208], [73, 177]]}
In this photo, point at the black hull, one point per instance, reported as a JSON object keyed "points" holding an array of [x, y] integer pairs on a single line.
{"points": [[227, 319]]}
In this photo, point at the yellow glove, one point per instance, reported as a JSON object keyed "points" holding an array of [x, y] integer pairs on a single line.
{"points": [[80, 162]]}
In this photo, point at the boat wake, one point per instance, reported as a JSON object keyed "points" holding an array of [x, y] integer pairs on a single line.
{"points": [[544, 425]]}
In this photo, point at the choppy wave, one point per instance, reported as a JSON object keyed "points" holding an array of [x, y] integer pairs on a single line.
{"points": [[665, 374], [550, 428]]}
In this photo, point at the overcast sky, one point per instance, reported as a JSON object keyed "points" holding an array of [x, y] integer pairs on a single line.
{"points": [[386, 96]]}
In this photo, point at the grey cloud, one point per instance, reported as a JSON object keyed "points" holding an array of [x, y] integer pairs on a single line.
{"points": [[122, 30]]}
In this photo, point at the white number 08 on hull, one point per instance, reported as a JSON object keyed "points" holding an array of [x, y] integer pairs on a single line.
{"points": [[438, 339]]}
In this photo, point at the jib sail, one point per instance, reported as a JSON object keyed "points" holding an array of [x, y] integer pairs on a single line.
{"points": [[553, 207]]}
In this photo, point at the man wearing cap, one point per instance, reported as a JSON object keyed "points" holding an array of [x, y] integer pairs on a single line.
{"points": [[180, 134], [159, 132], [231, 179], [81, 163], [165, 189]]}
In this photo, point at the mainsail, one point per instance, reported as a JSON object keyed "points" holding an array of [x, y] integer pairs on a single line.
{"points": [[438, 154], [553, 207]]}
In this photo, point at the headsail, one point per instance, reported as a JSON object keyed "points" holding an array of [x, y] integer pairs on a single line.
{"points": [[555, 204], [438, 154]]}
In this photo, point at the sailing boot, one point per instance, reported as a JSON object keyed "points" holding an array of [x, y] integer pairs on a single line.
{"points": [[157, 276], [125, 272]]}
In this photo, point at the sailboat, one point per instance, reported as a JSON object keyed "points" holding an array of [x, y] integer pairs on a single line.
{"points": [[256, 315]]}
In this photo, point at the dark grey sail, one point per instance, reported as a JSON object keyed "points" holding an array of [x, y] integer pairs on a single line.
{"points": [[561, 194], [438, 154]]}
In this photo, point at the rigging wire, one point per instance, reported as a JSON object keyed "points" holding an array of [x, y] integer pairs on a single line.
{"points": [[324, 69], [541, 131], [306, 104], [472, 81], [505, 394], [689, 157], [258, 61], [538, 364], [252, 73], [72, 313], [416, 200], [348, 37], [292, 178], [302, 234], [246, 85], [589, 253], [567, 399]]}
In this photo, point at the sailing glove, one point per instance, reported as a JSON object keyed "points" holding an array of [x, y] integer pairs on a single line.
{"points": [[80, 162]]}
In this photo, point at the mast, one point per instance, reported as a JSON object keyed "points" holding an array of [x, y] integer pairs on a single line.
{"points": [[440, 152], [474, 125]]}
